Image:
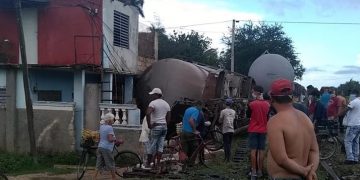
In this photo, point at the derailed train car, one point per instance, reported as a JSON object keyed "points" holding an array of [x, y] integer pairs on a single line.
{"points": [[184, 83]]}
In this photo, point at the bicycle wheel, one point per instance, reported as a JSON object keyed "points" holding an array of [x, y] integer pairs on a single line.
{"points": [[3, 177], [125, 161], [210, 159], [327, 145], [214, 139], [82, 165]]}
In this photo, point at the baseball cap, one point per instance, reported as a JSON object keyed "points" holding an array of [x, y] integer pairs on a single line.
{"points": [[156, 91], [281, 87], [228, 101]]}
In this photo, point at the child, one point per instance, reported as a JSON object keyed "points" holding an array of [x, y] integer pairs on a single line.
{"points": [[227, 117]]}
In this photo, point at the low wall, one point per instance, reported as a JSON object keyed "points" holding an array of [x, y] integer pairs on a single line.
{"points": [[54, 128], [2, 125]]}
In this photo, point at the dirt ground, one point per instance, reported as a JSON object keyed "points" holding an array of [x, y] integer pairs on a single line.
{"points": [[236, 171]]}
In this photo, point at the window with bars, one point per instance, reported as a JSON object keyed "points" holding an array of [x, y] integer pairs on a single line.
{"points": [[49, 95], [121, 29], [2, 95]]}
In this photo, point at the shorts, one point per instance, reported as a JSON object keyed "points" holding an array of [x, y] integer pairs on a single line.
{"points": [[189, 143], [257, 140], [157, 139], [105, 160]]}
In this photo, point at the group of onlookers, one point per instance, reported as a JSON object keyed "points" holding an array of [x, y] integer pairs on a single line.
{"points": [[329, 107], [280, 120], [291, 141]]}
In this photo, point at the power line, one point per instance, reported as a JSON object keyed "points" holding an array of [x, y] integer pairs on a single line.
{"points": [[202, 24], [106, 43], [304, 22], [218, 32], [268, 21]]}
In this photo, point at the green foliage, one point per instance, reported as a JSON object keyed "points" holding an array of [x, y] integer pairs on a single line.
{"points": [[22, 163], [138, 4], [348, 86], [252, 40], [190, 46]]}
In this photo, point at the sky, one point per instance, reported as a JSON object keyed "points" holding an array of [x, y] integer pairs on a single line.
{"points": [[330, 53]]}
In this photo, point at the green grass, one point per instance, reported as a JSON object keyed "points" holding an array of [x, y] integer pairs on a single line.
{"points": [[231, 170], [17, 164]]}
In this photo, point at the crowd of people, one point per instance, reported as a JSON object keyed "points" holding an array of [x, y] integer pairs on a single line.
{"points": [[282, 121]]}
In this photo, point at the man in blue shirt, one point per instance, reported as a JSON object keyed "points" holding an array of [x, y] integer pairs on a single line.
{"points": [[191, 121], [325, 97]]}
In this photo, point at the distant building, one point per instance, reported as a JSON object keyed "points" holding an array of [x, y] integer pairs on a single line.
{"points": [[79, 53]]}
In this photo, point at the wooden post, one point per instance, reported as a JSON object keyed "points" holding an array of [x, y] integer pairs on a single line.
{"points": [[24, 67]]}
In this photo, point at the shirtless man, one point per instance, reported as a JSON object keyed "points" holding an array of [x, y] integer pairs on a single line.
{"points": [[293, 149]]}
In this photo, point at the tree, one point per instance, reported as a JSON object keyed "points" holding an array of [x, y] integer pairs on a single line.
{"points": [[253, 40], [138, 4], [190, 46], [348, 86]]}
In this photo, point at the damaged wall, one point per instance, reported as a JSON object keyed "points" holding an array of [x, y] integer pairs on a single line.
{"points": [[54, 129], [144, 62]]}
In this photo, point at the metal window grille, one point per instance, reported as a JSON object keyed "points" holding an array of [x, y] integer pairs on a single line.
{"points": [[51, 95], [2, 95], [121, 30]]}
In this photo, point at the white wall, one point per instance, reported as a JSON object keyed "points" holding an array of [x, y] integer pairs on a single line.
{"points": [[2, 77], [30, 26], [20, 92], [126, 58]]}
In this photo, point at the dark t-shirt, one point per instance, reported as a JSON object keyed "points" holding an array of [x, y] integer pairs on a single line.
{"points": [[301, 108]]}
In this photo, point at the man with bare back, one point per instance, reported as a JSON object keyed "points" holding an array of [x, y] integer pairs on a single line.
{"points": [[293, 149]]}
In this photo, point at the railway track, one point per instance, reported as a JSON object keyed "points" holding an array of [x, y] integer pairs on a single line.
{"points": [[241, 157], [329, 170]]}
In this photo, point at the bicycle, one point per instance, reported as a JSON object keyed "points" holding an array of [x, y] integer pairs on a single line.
{"points": [[204, 153], [215, 136], [327, 139], [124, 159]]}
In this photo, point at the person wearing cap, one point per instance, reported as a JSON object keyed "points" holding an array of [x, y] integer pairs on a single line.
{"points": [[258, 111], [227, 117], [105, 158], [157, 117], [293, 149]]}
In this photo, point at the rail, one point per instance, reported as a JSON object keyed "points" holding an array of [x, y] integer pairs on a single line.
{"points": [[329, 170], [125, 114]]}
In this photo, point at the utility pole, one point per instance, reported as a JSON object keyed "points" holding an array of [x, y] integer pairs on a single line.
{"points": [[24, 67], [233, 44]]}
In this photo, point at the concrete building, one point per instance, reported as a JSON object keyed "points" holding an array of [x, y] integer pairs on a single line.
{"points": [[82, 56]]}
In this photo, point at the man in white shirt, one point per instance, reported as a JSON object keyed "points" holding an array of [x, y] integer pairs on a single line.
{"points": [[157, 116], [352, 134], [227, 117]]}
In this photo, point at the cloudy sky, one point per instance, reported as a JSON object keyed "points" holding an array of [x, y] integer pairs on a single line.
{"points": [[329, 52]]}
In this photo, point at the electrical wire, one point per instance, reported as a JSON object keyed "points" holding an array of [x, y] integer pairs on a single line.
{"points": [[200, 24], [119, 57], [303, 22]]}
